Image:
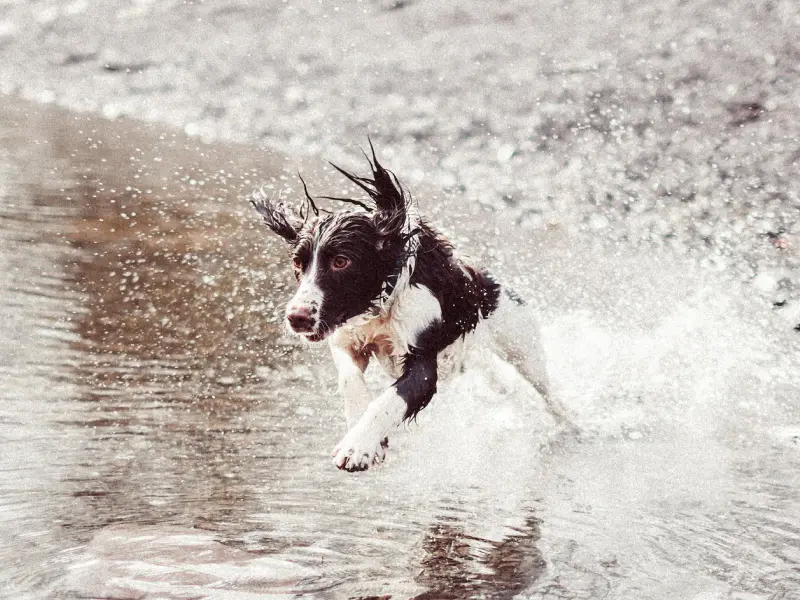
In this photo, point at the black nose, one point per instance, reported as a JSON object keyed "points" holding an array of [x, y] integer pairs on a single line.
{"points": [[300, 319]]}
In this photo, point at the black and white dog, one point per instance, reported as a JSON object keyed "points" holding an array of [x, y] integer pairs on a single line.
{"points": [[381, 282]]}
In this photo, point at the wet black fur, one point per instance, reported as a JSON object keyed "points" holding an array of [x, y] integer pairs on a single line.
{"points": [[351, 292], [464, 297], [374, 243], [417, 384], [277, 218]]}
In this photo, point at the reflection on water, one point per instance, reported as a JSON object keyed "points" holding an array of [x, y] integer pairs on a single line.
{"points": [[161, 439], [452, 568]]}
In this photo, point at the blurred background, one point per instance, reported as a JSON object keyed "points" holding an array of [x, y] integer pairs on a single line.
{"points": [[631, 167]]}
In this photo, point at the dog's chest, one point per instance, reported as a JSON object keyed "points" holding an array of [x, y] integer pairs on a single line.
{"points": [[379, 339]]}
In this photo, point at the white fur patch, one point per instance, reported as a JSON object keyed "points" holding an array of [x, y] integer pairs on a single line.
{"points": [[352, 387], [309, 294], [412, 313], [362, 447]]}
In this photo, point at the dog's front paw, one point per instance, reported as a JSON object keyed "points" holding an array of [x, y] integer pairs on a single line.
{"points": [[358, 451]]}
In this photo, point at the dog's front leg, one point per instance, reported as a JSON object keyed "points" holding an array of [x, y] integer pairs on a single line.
{"points": [[350, 366], [362, 447]]}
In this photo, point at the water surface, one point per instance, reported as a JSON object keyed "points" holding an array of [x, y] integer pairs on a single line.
{"points": [[162, 439]]}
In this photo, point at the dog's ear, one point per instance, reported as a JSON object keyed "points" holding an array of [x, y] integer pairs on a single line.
{"points": [[389, 196], [280, 218], [385, 190], [390, 200]]}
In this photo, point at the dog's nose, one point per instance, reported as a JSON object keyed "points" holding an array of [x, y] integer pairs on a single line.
{"points": [[300, 319]]}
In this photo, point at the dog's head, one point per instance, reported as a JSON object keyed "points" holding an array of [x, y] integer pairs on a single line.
{"points": [[341, 260]]}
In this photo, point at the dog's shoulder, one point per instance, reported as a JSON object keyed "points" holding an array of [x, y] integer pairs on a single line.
{"points": [[465, 294], [443, 300]]}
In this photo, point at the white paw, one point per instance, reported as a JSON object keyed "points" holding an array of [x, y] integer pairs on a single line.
{"points": [[359, 451]]}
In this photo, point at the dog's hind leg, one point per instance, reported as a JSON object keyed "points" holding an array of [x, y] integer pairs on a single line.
{"points": [[516, 339]]}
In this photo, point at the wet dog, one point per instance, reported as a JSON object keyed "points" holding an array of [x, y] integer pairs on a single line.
{"points": [[380, 282]]}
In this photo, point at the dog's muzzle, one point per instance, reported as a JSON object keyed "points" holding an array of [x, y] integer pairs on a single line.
{"points": [[301, 319]]}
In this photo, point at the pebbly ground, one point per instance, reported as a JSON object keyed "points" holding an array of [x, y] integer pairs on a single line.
{"points": [[671, 123]]}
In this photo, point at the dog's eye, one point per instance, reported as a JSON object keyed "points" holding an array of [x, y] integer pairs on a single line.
{"points": [[340, 262], [297, 263]]}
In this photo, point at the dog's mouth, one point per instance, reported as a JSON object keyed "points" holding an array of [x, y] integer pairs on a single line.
{"points": [[324, 329], [317, 337]]}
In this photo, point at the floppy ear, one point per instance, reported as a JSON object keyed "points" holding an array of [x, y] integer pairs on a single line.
{"points": [[389, 195], [384, 189], [280, 218]]}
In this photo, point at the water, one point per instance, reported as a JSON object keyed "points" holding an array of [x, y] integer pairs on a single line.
{"points": [[161, 439]]}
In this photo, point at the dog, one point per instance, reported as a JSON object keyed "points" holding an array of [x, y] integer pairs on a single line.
{"points": [[380, 282]]}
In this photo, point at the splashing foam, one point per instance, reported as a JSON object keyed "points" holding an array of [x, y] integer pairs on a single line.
{"points": [[641, 349]]}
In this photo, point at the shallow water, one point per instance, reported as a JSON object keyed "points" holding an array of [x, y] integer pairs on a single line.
{"points": [[161, 439]]}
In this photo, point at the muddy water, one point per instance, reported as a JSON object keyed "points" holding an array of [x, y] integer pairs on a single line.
{"points": [[161, 439]]}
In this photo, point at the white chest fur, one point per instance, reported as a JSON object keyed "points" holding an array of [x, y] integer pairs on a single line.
{"points": [[389, 336]]}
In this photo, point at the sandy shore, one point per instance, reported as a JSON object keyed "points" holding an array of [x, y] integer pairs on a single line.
{"points": [[674, 123]]}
